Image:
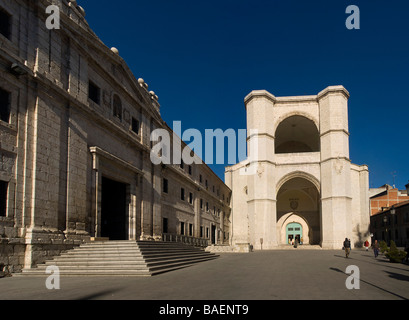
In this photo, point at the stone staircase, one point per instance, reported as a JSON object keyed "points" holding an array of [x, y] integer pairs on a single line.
{"points": [[123, 258]]}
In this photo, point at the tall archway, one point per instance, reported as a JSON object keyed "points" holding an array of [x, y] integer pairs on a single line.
{"points": [[298, 203], [297, 134]]}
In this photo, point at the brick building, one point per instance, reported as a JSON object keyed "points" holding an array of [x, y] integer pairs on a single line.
{"points": [[75, 145], [392, 224], [384, 197]]}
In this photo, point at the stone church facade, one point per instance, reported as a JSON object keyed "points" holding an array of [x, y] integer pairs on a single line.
{"points": [[298, 181], [75, 146]]}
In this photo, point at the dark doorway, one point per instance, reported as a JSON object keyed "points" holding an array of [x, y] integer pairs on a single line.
{"points": [[213, 234], [113, 210]]}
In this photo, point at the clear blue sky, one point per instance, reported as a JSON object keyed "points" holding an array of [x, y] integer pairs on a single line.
{"points": [[203, 57]]}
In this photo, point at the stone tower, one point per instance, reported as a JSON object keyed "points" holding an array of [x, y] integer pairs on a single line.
{"points": [[298, 180]]}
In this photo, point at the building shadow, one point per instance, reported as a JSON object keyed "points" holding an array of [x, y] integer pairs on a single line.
{"points": [[97, 295], [398, 276], [379, 262], [371, 284]]}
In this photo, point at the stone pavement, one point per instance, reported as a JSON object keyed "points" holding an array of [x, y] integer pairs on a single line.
{"points": [[262, 275]]}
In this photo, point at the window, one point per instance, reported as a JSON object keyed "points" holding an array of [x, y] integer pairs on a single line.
{"points": [[207, 232], [190, 198], [3, 198], [182, 228], [201, 203], [182, 194], [200, 178], [190, 170], [94, 92], [201, 231], [4, 105], [117, 107], [165, 185], [190, 229], [207, 206], [5, 24], [165, 225], [135, 125]]}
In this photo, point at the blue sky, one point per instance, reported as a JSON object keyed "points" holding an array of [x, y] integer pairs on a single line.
{"points": [[203, 57]]}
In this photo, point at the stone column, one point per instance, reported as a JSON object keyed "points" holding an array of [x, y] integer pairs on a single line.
{"points": [[336, 216], [261, 188], [196, 227]]}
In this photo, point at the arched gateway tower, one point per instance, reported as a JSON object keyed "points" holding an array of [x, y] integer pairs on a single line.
{"points": [[298, 180]]}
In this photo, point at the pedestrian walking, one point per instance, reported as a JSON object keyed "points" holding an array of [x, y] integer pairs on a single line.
{"points": [[376, 248], [347, 247], [366, 244]]}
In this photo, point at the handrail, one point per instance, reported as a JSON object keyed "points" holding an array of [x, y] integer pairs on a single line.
{"points": [[196, 242]]}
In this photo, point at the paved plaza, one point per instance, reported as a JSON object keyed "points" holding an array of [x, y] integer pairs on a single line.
{"points": [[262, 275]]}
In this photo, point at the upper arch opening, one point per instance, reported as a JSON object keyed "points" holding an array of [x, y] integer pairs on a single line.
{"points": [[297, 134]]}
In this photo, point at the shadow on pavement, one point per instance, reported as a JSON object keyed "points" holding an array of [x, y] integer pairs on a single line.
{"points": [[371, 284]]}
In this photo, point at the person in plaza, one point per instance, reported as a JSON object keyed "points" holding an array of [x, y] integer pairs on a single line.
{"points": [[376, 248], [347, 247], [296, 242], [366, 244]]}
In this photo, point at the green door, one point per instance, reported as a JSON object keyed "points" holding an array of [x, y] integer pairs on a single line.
{"points": [[293, 231]]}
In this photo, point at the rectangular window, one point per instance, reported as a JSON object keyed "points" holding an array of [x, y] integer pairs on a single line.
{"points": [[4, 105], [201, 231], [190, 198], [182, 228], [190, 229], [200, 178], [182, 194], [207, 206], [165, 185], [94, 92], [3, 198], [190, 170], [5, 24], [165, 225], [201, 203], [135, 125], [207, 232]]}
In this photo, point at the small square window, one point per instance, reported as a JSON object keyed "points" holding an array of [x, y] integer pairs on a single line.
{"points": [[94, 92], [165, 185], [5, 24], [3, 198], [135, 125], [4, 105]]}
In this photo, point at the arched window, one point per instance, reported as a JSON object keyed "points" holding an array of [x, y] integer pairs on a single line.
{"points": [[297, 134], [117, 107]]}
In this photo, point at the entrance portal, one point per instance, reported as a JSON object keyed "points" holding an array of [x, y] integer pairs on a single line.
{"points": [[293, 232], [113, 210], [298, 211]]}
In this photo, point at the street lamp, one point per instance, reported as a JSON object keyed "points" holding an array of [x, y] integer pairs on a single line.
{"points": [[393, 211]]}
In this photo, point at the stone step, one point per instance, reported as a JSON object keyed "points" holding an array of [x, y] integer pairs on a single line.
{"points": [[123, 258]]}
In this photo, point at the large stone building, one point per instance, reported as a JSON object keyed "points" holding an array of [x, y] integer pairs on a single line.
{"points": [[298, 181], [75, 145]]}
